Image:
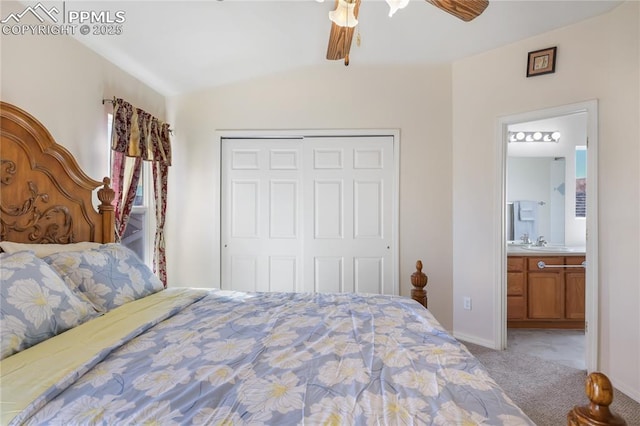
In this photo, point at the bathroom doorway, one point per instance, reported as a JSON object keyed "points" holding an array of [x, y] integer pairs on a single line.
{"points": [[545, 155]]}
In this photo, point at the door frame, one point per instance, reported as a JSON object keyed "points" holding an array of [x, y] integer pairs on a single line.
{"points": [[591, 283], [310, 133]]}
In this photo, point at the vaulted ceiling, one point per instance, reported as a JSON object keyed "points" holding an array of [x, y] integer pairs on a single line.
{"points": [[183, 46]]}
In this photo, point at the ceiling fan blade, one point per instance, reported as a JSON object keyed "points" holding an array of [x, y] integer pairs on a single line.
{"points": [[463, 9], [339, 42], [340, 38]]}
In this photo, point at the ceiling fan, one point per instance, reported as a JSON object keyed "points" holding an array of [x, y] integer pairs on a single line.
{"points": [[341, 37]]}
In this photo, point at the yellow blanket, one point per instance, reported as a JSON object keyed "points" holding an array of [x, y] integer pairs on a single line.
{"points": [[28, 374]]}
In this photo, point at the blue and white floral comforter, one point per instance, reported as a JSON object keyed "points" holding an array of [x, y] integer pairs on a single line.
{"points": [[283, 359]]}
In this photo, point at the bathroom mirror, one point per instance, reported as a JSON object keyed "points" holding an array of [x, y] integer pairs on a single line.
{"points": [[545, 180], [536, 194]]}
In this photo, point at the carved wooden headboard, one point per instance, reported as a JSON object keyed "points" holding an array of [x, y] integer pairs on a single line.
{"points": [[44, 195]]}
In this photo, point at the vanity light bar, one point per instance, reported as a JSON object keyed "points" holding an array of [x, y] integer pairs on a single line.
{"points": [[553, 136]]}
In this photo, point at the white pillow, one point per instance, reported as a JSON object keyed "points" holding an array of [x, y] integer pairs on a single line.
{"points": [[44, 250]]}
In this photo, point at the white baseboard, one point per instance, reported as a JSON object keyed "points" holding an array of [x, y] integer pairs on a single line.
{"points": [[631, 393], [475, 340]]}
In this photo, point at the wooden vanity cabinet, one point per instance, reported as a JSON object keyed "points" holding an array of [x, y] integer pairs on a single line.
{"points": [[548, 297], [516, 308]]}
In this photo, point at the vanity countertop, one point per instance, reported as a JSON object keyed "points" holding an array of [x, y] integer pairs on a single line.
{"points": [[532, 250]]}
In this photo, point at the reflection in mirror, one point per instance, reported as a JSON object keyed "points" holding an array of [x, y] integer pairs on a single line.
{"points": [[545, 180], [536, 194]]}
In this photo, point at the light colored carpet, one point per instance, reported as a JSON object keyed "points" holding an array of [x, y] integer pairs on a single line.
{"points": [[561, 346], [545, 390]]}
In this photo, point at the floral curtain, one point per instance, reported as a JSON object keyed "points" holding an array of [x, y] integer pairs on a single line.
{"points": [[138, 136]]}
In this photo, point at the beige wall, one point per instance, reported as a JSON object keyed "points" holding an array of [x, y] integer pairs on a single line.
{"points": [[597, 59], [416, 100], [62, 83]]}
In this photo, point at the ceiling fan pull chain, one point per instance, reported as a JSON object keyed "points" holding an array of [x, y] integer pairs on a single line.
{"points": [[346, 57]]}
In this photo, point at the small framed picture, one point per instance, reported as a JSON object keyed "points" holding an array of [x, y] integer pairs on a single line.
{"points": [[541, 62]]}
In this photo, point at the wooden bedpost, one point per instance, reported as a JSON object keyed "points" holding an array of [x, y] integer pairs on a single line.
{"points": [[419, 281], [106, 209], [600, 393]]}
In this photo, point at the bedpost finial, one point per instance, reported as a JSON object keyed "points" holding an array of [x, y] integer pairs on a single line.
{"points": [[419, 281], [106, 195], [418, 278], [599, 389], [600, 393]]}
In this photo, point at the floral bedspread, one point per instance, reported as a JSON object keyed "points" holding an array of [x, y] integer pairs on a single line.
{"points": [[283, 359]]}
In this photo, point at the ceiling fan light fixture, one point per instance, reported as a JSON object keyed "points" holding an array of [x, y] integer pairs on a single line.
{"points": [[343, 16], [395, 5]]}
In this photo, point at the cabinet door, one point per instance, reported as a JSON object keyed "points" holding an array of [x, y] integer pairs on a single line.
{"points": [[574, 295], [515, 283], [516, 302], [516, 308], [574, 289], [545, 295]]}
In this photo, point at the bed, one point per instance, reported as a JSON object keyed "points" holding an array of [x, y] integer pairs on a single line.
{"points": [[115, 347]]}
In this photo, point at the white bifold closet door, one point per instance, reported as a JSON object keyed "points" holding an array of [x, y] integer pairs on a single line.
{"points": [[308, 214]]}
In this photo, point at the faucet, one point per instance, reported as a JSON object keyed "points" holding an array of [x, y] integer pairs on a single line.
{"points": [[540, 242], [525, 238]]}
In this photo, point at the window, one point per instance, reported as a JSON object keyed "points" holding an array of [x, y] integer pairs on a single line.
{"points": [[581, 181], [137, 235]]}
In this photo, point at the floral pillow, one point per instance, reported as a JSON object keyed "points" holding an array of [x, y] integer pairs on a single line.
{"points": [[108, 276], [36, 304]]}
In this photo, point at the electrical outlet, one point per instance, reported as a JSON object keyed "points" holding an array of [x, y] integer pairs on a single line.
{"points": [[467, 303]]}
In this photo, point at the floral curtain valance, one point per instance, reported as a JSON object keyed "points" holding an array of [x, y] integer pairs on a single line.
{"points": [[136, 133], [137, 136]]}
